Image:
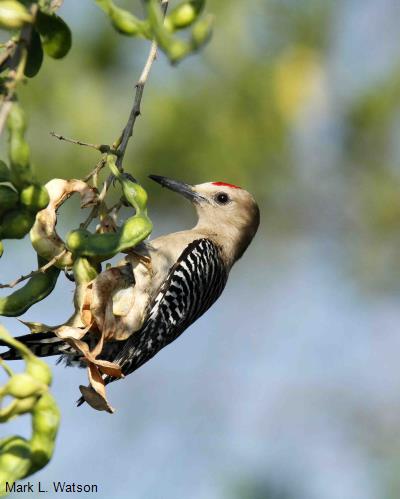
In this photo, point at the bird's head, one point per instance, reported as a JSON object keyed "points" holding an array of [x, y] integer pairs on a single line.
{"points": [[228, 213]]}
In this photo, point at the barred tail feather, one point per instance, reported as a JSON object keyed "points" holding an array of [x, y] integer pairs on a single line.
{"points": [[41, 344]]}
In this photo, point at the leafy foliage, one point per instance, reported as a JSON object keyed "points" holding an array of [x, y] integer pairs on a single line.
{"points": [[27, 206]]}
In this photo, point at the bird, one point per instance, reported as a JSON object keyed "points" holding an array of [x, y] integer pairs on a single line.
{"points": [[190, 269]]}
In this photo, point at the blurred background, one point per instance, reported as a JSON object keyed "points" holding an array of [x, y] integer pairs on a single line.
{"points": [[289, 387]]}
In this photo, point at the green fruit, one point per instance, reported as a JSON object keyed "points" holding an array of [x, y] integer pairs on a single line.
{"points": [[125, 22], [45, 422], [34, 198], [185, 14], [133, 232], [135, 229], [85, 270], [55, 33], [19, 153], [8, 198], [201, 32], [16, 120], [174, 48], [4, 172], [23, 385], [15, 461], [122, 20], [36, 289], [13, 15], [16, 224], [35, 55], [134, 193], [1, 249], [19, 150]]}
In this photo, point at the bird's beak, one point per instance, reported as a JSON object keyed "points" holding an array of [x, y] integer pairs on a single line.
{"points": [[180, 187]]}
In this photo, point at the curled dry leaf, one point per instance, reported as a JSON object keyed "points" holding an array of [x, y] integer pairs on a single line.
{"points": [[36, 327], [111, 307], [118, 298], [95, 400], [83, 302], [96, 382], [74, 335], [95, 393], [65, 332], [129, 304], [111, 283], [45, 240], [110, 303]]}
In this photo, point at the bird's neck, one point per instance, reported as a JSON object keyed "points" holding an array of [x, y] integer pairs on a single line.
{"points": [[227, 240]]}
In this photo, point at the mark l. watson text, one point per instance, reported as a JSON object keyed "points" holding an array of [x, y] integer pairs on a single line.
{"points": [[55, 486]]}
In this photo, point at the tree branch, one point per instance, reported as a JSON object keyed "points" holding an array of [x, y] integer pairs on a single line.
{"points": [[122, 143], [103, 148], [118, 148], [40, 270]]}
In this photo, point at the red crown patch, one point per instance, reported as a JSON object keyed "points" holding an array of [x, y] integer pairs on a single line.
{"points": [[226, 185]]}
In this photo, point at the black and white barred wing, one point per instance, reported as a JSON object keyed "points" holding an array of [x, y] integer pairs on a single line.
{"points": [[193, 285]]}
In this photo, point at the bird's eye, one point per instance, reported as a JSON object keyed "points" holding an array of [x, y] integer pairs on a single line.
{"points": [[222, 198]]}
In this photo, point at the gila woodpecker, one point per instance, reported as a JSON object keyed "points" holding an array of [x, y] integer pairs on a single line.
{"points": [[189, 270]]}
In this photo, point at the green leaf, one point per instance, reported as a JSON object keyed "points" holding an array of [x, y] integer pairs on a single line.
{"points": [[35, 55], [55, 33]]}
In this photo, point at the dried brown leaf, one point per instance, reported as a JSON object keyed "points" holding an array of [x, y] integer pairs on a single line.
{"points": [[36, 327], [66, 332], [102, 288], [110, 368], [95, 400], [44, 237]]}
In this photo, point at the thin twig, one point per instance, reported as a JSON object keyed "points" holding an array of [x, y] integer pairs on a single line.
{"points": [[103, 148], [100, 165], [100, 199], [135, 111], [94, 212], [40, 270], [9, 48], [120, 145], [122, 142], [92, 215]]}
